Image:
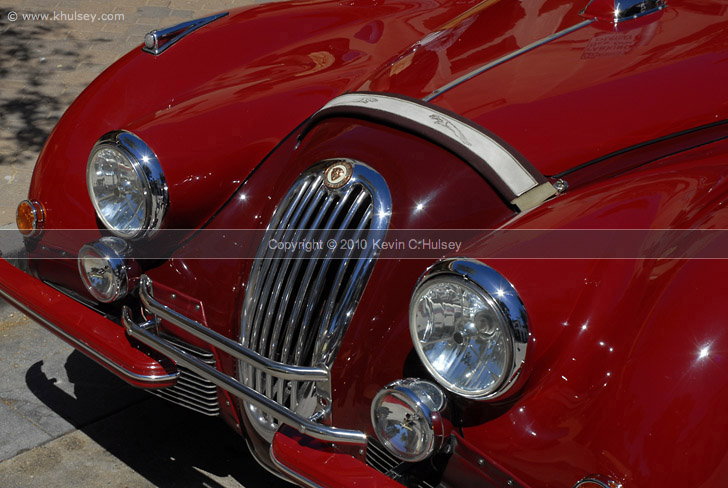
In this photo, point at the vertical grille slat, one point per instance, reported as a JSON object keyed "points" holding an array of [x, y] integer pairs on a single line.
{"points": [[306, 287], [297, 304], [281, 234], [282, 266], [272, 269], [318, 288], [296, 266], [287, 324], [266, 259], [339, 281]]}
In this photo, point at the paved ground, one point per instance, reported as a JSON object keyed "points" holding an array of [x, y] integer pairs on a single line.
{"points": [[64, 421], [45, 64]]}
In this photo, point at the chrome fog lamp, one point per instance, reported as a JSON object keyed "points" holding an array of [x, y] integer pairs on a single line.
{"points": [[469, 328], [126, 185], [406, 416], [105, 270]]}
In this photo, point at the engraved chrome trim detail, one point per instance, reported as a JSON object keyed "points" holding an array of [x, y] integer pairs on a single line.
{"points": [[158, 41], [298, 304], [500, 291], [145, 333], [505, 58], [597, 481], [617, 11], [491, 153], [147, 165]]}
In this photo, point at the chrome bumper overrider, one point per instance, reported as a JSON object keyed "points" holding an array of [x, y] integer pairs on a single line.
{"points": [[146, 333]]}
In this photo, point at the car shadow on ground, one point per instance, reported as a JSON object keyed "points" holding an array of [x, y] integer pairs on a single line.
{"points": [[166, 444]]}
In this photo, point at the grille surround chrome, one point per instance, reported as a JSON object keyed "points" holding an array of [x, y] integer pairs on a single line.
{"points": [[281, 318]]}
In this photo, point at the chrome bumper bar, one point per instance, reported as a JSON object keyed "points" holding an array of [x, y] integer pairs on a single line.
{"points": [[146, 334]]}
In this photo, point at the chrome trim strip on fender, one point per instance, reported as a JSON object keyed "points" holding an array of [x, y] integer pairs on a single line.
{"points": [[158, 41], [501, 165], [505, 58], [493, 154], [142, 333], [85, 348]]}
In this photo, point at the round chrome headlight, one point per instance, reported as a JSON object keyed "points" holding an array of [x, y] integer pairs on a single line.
{"points": [[469, 328], [126, 185], [406, 418], [105, 269]]}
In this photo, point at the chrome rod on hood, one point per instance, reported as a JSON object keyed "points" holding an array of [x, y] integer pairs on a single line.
{"points": [[505, 58]]}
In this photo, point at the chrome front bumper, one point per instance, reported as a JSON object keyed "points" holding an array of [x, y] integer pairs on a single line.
{"points": [[85, 329], [146, 333]]}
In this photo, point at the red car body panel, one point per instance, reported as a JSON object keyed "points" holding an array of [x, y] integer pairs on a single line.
{"points": [[330, 468], [622, 357], [216, 106], [602, 89], [626, 361]]}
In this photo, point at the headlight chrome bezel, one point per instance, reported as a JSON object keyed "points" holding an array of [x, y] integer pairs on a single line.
{"points": [[499, 294], [121, 273], [149, 172], [425, 403]]}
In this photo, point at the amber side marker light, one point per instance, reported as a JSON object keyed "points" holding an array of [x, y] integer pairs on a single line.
{"points": [[30, 217]]}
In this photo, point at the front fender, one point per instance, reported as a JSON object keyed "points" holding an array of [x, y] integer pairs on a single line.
{"points": [[215, 103], [629, 353]]}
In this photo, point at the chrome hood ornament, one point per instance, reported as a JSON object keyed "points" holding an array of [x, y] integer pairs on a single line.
{"points": [[621, 10], [157, 41]]}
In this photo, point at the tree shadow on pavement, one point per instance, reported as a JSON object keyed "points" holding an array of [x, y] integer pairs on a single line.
{"points": [[32, 57], [166, 444]]}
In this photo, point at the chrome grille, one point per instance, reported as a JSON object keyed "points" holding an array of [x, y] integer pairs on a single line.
{"points": [[191, 390], [380, 459], [299, 303]]}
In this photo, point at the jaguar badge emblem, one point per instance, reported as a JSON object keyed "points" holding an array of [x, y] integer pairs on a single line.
{"points": [[337, 175]]}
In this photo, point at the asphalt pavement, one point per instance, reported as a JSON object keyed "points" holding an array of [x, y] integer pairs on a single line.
{"points": [[64, 420]]}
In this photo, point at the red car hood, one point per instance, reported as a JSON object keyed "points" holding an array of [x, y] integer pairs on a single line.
{"points": [[593, 91], [585, 94]]}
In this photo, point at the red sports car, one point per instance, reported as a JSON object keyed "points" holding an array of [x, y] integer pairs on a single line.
{"points": [[429, 243]]}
